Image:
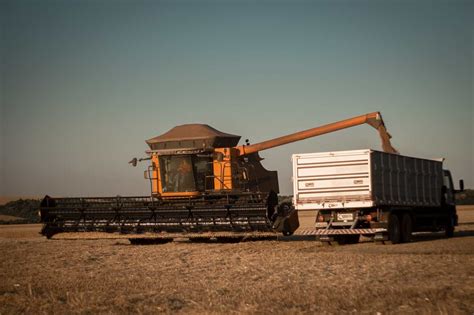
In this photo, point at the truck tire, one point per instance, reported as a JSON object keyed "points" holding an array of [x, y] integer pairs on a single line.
{"points": [[406, 228], [449, 232], [449, 229], [394, 233]]}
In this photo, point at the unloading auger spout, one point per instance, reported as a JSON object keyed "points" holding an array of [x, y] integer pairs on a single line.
{"points": [[373, 119]]}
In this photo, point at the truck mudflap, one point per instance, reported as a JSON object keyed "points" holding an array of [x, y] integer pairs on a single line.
{"points": [[341, 231]]}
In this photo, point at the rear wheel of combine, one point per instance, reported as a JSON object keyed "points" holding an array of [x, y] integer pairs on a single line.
{"points": [[406, 228], [394, 233], [287, 233]]}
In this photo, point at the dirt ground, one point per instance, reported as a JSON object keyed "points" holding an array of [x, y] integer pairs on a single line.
{"points": [[432, 274]]}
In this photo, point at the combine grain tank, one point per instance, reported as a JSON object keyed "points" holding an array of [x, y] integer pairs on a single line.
{"points": [[373, 193], [202, 185]]}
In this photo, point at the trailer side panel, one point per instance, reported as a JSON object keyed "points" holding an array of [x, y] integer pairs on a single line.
{"points": [[403, 181], [365, 178]]}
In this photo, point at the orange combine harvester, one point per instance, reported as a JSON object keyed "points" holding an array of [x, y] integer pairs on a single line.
{"points": [[203, 185]]}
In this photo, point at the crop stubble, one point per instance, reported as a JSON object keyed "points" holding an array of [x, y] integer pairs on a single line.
{"points": [[432, 274]]}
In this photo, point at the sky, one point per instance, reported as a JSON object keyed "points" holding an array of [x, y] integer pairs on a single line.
{"points": [[83, 84]]}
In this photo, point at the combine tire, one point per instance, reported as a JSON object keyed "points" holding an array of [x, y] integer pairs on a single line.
{"points": [[394, 233], [406, 228]]}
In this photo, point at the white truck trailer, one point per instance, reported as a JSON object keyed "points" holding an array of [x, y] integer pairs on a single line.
{"points": [[372, 193]]}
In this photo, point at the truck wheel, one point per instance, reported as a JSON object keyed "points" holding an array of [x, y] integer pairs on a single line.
{"points": [[449, 230], [407, 228], [394, 234]]}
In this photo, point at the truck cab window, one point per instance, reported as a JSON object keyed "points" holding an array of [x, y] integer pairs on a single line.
{"points": [[447, 182]]}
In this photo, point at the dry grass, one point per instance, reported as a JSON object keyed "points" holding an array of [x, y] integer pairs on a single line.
{"points": [[430, 275]]}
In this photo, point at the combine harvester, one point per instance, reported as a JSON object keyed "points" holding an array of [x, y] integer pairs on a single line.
{"points": [[202, 186]]}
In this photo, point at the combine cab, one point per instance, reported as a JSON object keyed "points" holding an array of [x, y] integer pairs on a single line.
{"points": [[202, 185]]}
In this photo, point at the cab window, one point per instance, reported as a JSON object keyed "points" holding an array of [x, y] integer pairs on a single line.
{"points": [[185, 173]]}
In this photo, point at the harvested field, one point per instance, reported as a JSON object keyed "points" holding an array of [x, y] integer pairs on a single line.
{"points": [[430, 275]]}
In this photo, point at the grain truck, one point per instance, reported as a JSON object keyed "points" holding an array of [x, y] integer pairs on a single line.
{"points": [[378, 194]]}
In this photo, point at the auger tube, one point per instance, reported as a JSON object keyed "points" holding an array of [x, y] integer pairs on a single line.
{"points": [[374, 119]]}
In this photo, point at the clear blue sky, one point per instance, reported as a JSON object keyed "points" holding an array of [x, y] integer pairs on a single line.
{"points": [[84, 83]]}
